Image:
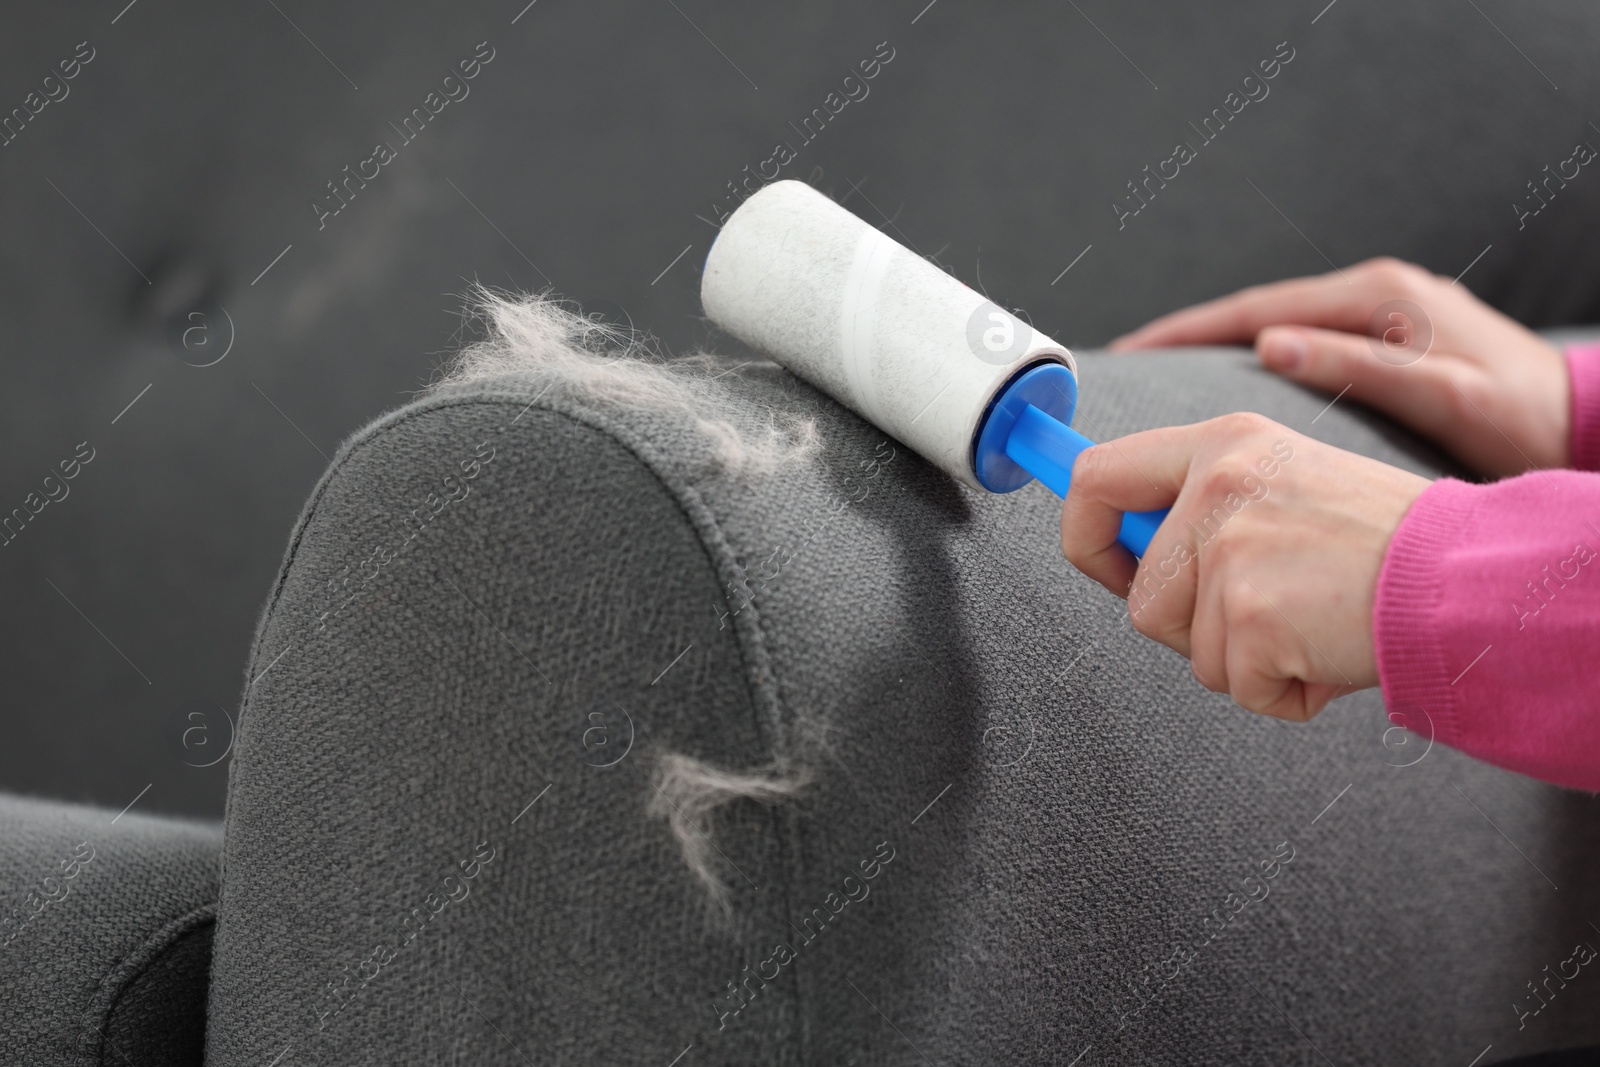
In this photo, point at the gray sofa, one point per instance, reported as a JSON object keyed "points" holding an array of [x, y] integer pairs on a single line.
{"points": [[999, 139], [1017, 831], [560, 742]]}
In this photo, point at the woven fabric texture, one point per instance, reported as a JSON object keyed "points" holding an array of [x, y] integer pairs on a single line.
{"points": [[106, 939]]}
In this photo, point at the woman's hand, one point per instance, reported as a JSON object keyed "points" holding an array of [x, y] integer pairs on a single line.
{"points": [[1264, 573], [1412, 345]]}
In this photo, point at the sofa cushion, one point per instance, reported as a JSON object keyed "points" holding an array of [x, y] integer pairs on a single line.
{"points": [[105, 943]]}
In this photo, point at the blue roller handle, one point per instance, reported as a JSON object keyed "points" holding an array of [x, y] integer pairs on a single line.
{"points": [[1046, 448]]}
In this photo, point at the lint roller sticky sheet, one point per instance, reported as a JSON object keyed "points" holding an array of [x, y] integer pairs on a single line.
{"points": [[966, 384]]}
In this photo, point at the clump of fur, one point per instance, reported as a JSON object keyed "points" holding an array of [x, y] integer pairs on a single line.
{"points": [[594, 360], [688, 791]]}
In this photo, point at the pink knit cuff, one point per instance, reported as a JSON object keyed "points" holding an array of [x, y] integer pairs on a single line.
{"points": [[1405, 633], [1583, 367]]}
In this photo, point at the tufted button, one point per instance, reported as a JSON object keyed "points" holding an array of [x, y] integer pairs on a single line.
{"points": [[182, 298]]}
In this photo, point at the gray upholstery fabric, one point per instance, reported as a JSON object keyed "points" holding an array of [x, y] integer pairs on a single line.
{"points": [[1061, 803], [997, 138], [105, 947], [160, 1009]]}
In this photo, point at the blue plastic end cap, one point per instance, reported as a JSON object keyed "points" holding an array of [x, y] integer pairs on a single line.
{"points": [[1052, 389]]}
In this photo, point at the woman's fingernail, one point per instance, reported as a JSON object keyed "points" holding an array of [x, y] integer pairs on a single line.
{"points": [[1285, 352]]}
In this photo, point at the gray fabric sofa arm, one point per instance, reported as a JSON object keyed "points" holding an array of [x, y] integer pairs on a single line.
{"points": [[567, 742], [438, 844]]}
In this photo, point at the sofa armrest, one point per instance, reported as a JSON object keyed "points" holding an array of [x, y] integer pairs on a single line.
{"points": [[1024, 830]]}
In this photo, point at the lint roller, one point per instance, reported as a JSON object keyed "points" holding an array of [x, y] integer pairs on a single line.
{"points": [[966, 384]]}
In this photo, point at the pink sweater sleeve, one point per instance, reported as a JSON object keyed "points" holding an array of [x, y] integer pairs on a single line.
{"points": [[1487, 615], [1583, 365]]}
